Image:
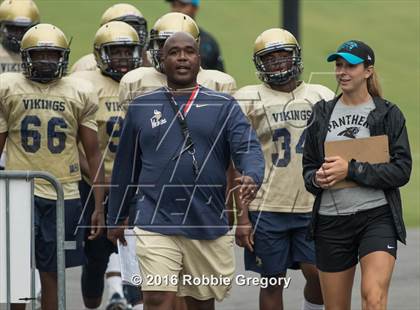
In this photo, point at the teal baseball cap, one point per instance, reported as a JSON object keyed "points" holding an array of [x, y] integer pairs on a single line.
{"points": [[354, 52]]}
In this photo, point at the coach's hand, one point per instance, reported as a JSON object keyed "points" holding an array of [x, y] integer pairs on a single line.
{"points": [[244, 235], [97, 221], [248, 189], [117, 233]]}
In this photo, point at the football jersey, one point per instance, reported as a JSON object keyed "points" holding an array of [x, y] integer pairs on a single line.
{"points": [[144, 79], [85, 63], [280, 119], [42, 122], [9, 61], [109, 116]]}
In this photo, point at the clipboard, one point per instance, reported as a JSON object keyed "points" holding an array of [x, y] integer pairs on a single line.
{"points": [[374, 150]]}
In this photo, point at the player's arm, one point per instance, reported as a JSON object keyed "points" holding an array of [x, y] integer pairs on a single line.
{"points": [[3, 137], [84, 165], [244, 236], [3, 127], [246, 152], [124, 181], [230, 176], [89, 139]]}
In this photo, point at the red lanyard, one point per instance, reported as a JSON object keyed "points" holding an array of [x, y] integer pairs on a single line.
{"points": [[190, 101]]}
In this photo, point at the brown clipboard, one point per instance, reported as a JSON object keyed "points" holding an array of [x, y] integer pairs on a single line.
{"points": [[374, 150]]}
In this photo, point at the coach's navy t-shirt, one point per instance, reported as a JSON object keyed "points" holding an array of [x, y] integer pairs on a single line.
{"points": [[149, 176]]}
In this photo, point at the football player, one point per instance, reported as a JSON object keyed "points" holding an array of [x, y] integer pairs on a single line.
{"points": [[145, 79], [273, 231], [117, 50], [16, 17], [118, 12], [42, 116], [210, 53]]}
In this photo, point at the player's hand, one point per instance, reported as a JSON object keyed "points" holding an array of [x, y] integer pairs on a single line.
{"points": [[244, 235], [248, 189], [97, 224], [335, 169], [117, 233]]}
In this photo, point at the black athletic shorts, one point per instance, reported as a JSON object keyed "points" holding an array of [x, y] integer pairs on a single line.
{"points": [[341, 241]]}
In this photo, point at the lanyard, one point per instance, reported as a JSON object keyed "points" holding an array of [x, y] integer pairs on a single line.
{"points": [[188, 105], [182, 122], [191, 100]]}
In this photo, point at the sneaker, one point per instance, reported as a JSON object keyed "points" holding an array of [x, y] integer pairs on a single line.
{"points": [[117, 303]]}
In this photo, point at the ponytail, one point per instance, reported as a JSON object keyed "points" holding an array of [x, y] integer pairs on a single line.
{"points": [[373, 86]]}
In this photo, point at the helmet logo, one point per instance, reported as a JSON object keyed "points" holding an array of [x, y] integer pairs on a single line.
{"points": [[271, 44], [166, 33], [123, 39], [22, 19], [45, 43]]}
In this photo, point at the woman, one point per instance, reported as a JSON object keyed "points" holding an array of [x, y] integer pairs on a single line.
{"points": [[361, 223]]}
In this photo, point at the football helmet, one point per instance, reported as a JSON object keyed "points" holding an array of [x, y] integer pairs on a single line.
{"points": [[130, 15], [166, 26], [276, 40], [108, 39], [16, 17], [45, 53]]}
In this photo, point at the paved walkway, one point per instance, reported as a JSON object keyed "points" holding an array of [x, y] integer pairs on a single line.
{"points": [[404, 292]]}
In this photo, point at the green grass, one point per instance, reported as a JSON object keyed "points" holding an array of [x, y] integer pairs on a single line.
{"points": [[392, 28]]}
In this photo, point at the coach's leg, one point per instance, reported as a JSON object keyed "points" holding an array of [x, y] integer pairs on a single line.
{"points": [[180, 303], [195, 304], [336, 288], [312, 291], [160, 259], [271, 297], [155, 300], [376, 270]]}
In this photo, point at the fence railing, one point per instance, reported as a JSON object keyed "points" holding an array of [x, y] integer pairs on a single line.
{"points": [[29, 176]]}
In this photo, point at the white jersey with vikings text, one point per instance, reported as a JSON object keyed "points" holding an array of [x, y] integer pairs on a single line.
{"points": [[145, 79], [85, 63], [280, 119], [42, 123], [9, 61], [110, 115]]}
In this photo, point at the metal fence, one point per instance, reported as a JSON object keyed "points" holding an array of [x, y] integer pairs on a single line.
{"points": [[7, 176]]}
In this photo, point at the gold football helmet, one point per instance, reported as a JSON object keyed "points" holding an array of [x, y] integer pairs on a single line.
{"points": [[117, 49], [16, 17], [275, 40], [166, 26], [45, 53], [130, 15]]}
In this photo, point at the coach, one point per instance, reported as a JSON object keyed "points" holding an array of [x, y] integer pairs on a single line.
{"points": [[175, 148]]}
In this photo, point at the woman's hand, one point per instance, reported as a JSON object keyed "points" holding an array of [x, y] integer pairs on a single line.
{"points": [[332, 171]]}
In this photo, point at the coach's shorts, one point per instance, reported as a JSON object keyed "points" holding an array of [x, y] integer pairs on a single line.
{"points": [[340, 241], [46, 234], [279, 243], [179, 264]]}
